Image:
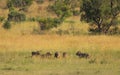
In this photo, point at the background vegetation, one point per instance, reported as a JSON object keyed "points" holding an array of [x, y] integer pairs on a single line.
{"points": [[51, 15]]}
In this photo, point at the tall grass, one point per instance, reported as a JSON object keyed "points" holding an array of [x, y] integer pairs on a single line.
{"points": [[16, 48], [56, 42]]}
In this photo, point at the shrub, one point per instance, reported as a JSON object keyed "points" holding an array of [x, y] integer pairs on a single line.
{"points": [[9, 4], [24, 9], [64, 8], [48, 23], [39, 1], [1, 19], [19, 3], [51, 0], [76, 12], [7, 25], [114, 30], [16, 16], [60, 9], [11, 9], [32, 19]]}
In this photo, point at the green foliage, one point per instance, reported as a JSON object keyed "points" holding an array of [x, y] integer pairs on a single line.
{"points": [[11, 9], [1, 19], [39, 1], [114, 30], [9, 4], [76, 12], [51, 0], [32, 19], [102, 13], [64, 8], [61, 9], [16, 16], [19, 3], [7, 25], [24, 9], [48, 23]]}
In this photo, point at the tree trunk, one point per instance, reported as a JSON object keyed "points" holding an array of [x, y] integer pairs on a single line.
{"points": [[99, 28], [109, 25]]}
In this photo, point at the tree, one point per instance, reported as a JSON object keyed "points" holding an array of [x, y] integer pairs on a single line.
{"points": [[16, 16], [48, 23], [7, 25], [39, 1], [101, 14], [64, 8], [19, 3]]}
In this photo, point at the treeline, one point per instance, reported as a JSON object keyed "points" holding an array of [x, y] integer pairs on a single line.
{"points": [[103, 16]]}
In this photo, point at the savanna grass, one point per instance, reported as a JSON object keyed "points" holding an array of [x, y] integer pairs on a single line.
{"points": [[21, 63]]}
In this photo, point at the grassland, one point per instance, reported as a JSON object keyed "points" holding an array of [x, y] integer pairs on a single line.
{"points": [[56, 42], [17, 44], [15, 52]]}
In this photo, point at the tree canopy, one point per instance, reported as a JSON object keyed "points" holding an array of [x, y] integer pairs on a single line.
{"points": [[101, 14], [19, 3], [64, 8]]}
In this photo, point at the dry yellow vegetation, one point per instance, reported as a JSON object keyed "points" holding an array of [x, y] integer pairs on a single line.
{"points": [[20, 36], [56, 42]]}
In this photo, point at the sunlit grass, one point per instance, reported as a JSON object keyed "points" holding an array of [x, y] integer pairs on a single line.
{"points": [[17, 43], [56, 42], [40, 10]]}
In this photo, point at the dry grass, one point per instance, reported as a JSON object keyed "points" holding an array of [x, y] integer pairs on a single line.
{"points": [[15, 48], [3, 10], [40, 10], [19, 28], [56, 42]]}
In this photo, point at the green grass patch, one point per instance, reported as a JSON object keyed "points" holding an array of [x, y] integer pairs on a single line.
{"points": [[21, 63]]}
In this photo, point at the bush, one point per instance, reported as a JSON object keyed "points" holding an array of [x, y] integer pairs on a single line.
{"points": [[61, 9], [24, 9], [76, 12], [7, 25], [16, 16], [19, 3], [114, 30], [1, 19], [11, 9], [48, 23], [51, 0], [9, 4], [32, 19], [39, 1]]}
